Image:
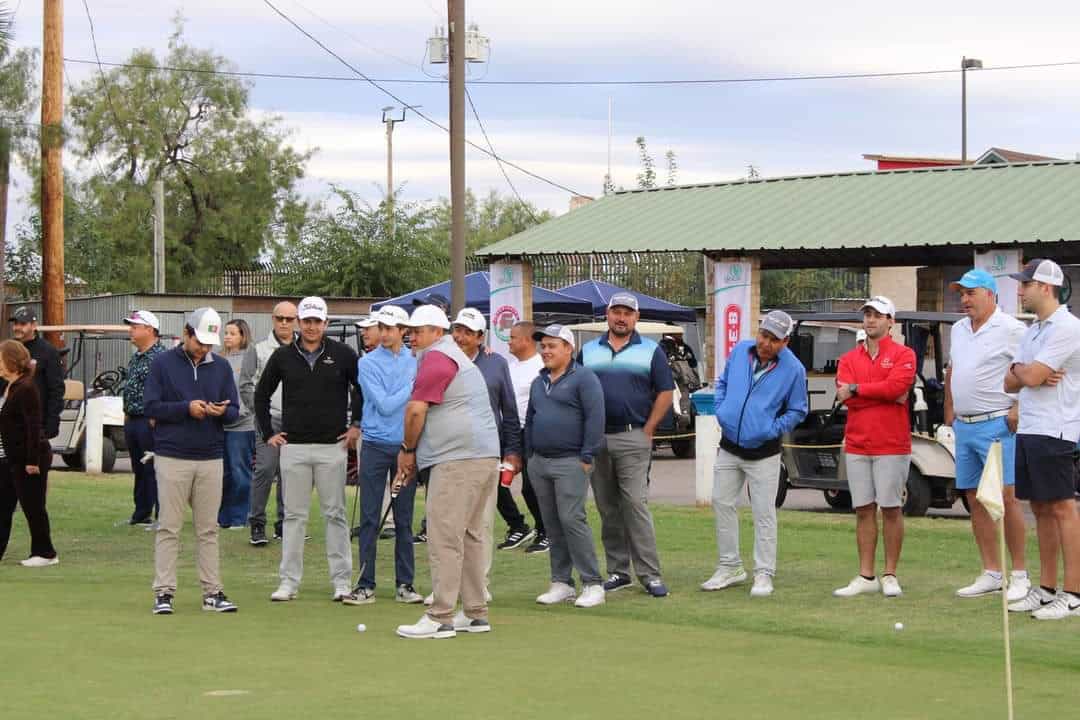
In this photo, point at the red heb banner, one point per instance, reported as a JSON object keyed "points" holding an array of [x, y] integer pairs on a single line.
{"points": [[732, 327]]}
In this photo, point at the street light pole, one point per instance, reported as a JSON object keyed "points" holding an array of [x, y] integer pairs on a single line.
{"points": [[390, 121], [966, 64], [456, 15]]}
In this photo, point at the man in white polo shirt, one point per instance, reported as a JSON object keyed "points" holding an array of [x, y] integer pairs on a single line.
{"points": [[1047, 377], [982, 347]]}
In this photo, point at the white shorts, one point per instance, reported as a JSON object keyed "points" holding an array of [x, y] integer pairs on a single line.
{"points": [[877, 478]]}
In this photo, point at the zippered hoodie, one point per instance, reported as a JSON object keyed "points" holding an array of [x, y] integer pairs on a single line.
{"points": [[876, 423], [174, 381], [754, 414], [386, 382]]}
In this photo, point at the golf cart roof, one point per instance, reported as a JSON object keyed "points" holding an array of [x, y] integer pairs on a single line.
{"points": [[643, 328], [854, 316]]}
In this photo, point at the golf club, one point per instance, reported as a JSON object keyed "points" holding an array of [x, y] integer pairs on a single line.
{"points": [[378, 530]]}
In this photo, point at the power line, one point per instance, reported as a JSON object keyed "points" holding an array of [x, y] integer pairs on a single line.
{"points": [[571, 83], [423, 116], [509, 182], [352, 37]]}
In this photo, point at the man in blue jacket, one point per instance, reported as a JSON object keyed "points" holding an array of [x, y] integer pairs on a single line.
{"points": [[190, 394], [760, 396]]}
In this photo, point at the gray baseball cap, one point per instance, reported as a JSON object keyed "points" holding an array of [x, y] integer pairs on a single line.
{"points": [[623, 299], [778, 324]]}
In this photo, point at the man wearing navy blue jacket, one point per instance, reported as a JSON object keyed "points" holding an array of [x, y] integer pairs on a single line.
{"points": [[760, 396], [190, 395]]}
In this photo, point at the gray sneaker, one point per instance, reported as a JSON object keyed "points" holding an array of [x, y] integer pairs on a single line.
{"points": [[359, 596], [408, 595]]}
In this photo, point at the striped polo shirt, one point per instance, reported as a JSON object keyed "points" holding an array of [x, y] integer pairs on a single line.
{"points": [[631, 378]]}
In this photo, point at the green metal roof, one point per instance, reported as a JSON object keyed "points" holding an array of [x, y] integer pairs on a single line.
{"points": [[983, 205]]}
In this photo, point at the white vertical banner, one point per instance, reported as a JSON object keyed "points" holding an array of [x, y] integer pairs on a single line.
{"points": [[1000, 263], [507, 304], [731, 308]]}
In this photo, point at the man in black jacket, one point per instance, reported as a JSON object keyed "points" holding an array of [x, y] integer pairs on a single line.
{"points": [[318, 381], [48, 375]]}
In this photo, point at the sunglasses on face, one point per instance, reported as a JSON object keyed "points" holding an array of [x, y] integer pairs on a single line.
{"points": [[284, 318]]}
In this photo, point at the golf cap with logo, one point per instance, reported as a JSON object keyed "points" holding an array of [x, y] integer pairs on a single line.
{"points": [[472, 319], [437, 299], [390, 315], [369, 321], [623, 299], [207, 325], [24, 314], [556, 331], [882, 304], [143, 317], [1039, 270], [975, 278], [777, 323], [428, 315], [312, 307]]}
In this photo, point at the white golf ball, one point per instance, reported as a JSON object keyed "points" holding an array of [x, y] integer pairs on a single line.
{"points": [[361, 627], [898, 626]]}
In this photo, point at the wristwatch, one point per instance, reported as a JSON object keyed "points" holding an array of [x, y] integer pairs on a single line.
{"points": [[853, 389], [407, 450]]}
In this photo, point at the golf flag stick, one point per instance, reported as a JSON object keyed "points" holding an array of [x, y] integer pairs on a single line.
{"points": [[991, 496]]}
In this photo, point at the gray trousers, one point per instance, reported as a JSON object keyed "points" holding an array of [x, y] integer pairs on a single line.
{"points": [[267, 468], [620, 484], [561, 486], [322, 467], [732, 473]]}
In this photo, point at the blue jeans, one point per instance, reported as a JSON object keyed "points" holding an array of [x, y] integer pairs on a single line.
{"points": [[236, 481], [140, 439], [376, 460]]}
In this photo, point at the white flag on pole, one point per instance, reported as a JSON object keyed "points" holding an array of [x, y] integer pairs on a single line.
{"points": [[990, 484]]}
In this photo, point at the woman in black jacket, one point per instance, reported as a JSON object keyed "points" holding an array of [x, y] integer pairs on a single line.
{"points": [[22, 451]]}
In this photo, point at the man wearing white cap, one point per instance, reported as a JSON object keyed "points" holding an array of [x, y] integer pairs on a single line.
{"points": [[190, 394], [144, 333], [873, 381], [317, 376], [760, 396], [1046, 375], [449, 428]]}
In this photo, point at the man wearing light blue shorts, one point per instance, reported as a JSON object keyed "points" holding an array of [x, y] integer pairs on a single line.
{"points": [[983, 346]]}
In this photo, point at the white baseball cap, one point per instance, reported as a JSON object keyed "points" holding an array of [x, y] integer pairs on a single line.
{"points": [[882, 304], [312, 307], [556, 331], [428, 315], [206, 323], [390, 315], [1044, 271], [472, 319], [367, 322], [143, 317]]}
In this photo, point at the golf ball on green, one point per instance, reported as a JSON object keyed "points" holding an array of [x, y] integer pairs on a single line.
{"points": [[898, 626], [361, 627]]}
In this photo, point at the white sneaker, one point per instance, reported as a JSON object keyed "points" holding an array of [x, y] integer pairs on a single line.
{"points": [[1019, 587], [858, 586], [284, 593], [429, 599], [985, 584], [724, 577], [406, 594], [762, 586], [890, 586], [591, 596], [340, 593], [426, 628], [37, 561], [1035, 599], [557, 593], [1063, 606], [463, 623]]}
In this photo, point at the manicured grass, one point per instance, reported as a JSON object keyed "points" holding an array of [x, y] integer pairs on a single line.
{"points": [[79, 640]]}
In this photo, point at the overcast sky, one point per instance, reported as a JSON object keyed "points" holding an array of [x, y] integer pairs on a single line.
{"points": [[783, 128]]}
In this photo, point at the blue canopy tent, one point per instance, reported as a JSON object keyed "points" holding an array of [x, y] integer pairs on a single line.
{"points": [[478, 294], [597, 293]]}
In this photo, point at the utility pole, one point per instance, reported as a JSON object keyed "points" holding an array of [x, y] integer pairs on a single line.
{"points": [[159, 236], [5, 178], [52, 169], [456, 15], [966, 64], [389, 121]]}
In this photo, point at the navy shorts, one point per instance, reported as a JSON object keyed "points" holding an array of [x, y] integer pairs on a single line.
{"points": [[1044, 468]]}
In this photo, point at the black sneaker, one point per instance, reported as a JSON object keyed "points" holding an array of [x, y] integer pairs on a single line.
{"points": [[419, 538], [656, 588], [540, 545], [277, 530], [515, 538], [148, 520], [258, 535], [218, 603], [163, 604], [354, 533], [617, 581], [388, 533]]}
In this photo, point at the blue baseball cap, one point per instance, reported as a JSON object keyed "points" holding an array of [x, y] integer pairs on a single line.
{"points": [[975, 278]]}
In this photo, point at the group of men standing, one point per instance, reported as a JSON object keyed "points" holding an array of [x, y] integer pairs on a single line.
{"points": [[1004, 383]]}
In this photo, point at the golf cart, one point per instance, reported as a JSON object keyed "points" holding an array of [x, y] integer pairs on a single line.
{"points": [[677, 428], [813, 455], [83, 382]]}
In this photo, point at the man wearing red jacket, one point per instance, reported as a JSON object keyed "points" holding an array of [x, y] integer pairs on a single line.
{"points": [[873, 380]]}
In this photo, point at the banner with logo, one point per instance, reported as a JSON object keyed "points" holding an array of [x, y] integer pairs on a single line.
{"points": [[507, 304], [731, 308], [1000, 263]]}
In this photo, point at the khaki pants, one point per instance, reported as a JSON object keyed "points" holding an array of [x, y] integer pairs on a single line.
{"points": [[458, 494], [184, 483]]}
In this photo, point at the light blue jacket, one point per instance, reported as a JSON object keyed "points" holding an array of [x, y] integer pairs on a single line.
{"points": [[386, 382], [754, 412]]}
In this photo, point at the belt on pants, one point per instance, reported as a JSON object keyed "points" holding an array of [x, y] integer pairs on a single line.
{"points": [[970, 419], [616, 429]]}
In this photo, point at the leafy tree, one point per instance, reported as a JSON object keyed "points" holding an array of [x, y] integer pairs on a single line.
{"points": [[646, 179], [230, 180], [489, 220]]}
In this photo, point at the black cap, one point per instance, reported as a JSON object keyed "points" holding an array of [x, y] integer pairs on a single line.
{"points": [[437, 299], [24, 314]]}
